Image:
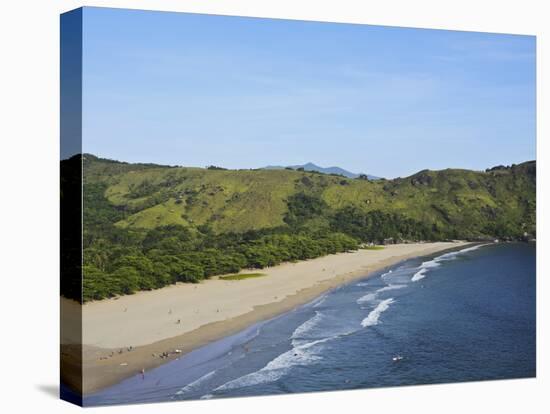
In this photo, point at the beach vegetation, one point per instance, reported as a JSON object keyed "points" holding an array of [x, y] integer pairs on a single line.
{"points": [[147, 226], [241, 276]]}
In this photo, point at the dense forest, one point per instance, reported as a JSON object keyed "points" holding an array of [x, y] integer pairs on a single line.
{"points": [[147, 226]]}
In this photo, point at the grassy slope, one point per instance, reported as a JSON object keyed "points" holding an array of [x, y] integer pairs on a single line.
{"points": [[242, 276], [239, 200]]}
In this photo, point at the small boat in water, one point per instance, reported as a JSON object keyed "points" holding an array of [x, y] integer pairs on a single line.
{"points": [[397, 358]]}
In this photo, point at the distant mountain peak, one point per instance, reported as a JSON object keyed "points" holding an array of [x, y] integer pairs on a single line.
{"points": [[310, 166]]}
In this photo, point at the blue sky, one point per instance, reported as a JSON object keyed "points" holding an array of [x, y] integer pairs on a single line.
{"points": [[196, 90]]}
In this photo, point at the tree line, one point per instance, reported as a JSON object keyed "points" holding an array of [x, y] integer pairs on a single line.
{"points": [[119, 261]]}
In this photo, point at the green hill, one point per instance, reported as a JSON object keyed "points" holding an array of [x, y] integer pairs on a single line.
{"points": [[194, 222], [497, 202]]}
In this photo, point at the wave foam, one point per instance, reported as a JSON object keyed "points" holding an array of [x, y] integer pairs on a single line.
{"points": [[374, 315], [320, 301], [276, 368], [197, 382], [452, 255], [392, 287], [308, 325], [421, 274], [369, 297], [430, 264], [306, 338]]}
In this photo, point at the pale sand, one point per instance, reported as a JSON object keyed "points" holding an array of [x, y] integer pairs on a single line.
{"points": [[148, 321]]}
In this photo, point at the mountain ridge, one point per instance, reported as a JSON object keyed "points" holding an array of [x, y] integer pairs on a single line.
{"points": [[240, 200], [310, 166]]}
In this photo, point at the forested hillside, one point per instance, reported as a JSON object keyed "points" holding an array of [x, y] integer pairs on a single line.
{"points": [[146, 226]]}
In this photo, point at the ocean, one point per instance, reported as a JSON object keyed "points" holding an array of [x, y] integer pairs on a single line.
{"points": [[468, 315]]}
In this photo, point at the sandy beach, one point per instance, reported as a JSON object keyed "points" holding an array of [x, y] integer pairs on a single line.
{"points": [[122, 336]]}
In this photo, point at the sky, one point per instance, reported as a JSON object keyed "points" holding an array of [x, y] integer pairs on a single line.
{"points": [[198, 90]]}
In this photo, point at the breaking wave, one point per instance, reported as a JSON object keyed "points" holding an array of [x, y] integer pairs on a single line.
{"points": [[193, 385], [425, 266], [374, 315], [421, 274], [308, 325], [391, 287], [320, 301], [369, 297], [306, 349], [303, 354]]}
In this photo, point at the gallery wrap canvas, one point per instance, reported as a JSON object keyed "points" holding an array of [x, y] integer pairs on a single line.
{"points": [[255, 206]]}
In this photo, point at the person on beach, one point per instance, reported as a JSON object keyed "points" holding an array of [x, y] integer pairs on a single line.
{"points": [[142, 373]]}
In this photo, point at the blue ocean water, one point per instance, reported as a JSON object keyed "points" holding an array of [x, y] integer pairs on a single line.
{"points": [[461, 316]]}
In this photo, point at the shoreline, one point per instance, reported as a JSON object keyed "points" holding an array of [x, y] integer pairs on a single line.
{"points": [[104, 366]]}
